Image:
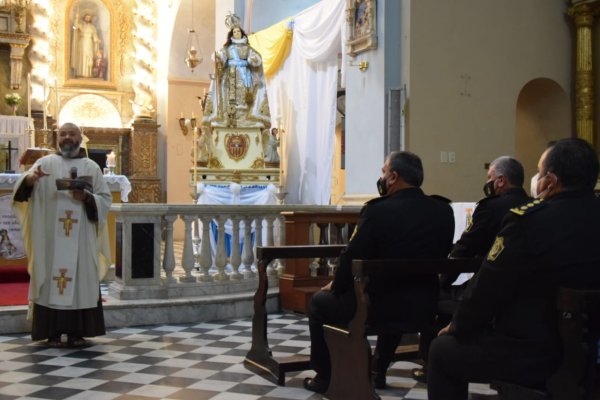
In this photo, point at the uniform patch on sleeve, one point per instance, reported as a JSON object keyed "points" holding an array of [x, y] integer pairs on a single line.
{"points": [[496, 249]]}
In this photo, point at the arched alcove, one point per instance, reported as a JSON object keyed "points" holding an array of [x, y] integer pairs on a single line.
{"points": [[543, 114], [90, 110]]}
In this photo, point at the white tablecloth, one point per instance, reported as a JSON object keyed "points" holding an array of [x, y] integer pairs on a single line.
{"points": [[115, 183], [14, 129]]}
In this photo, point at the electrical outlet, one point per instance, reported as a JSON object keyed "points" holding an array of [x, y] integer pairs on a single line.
{"points": [[451, 157]]}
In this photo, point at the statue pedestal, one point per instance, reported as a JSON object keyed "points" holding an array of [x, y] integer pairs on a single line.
{"points": [[237, 156]]}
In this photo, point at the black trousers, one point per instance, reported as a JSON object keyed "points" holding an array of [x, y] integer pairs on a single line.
{"points": [[453, 363], [328, 308]]}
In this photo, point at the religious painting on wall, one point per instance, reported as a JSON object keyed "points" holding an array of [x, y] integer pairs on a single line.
{"points": [[89, 50], [362, 24]]}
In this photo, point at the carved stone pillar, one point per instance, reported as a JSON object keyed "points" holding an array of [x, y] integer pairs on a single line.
{"points": [[143, 160], [583, 16]]}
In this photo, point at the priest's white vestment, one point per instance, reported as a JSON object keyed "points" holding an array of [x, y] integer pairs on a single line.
{"points": [[42, 216]]}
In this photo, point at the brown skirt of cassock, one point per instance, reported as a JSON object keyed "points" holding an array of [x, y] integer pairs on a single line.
{"points": [[49, 323]]}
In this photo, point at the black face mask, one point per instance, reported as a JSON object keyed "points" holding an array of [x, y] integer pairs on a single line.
{"points": [[382, 186], [488, 189]]}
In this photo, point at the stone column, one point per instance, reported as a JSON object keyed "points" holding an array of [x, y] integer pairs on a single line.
{"points": [[583, 16]]}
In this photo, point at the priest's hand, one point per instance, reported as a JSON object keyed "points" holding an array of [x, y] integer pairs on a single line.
{"points": [[35, 176], [81, 195], [327, 288]]}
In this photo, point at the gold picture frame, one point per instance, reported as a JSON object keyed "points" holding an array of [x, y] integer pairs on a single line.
{"points": [[362, 21], [101, 74]]}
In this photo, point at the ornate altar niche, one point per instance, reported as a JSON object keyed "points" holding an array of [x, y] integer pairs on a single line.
{"points": [[136, 155]]}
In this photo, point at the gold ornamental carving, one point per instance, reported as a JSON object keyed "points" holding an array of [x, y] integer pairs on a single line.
{"points": [[215, 163], [583, 16], [237, 145], [258, 164]]}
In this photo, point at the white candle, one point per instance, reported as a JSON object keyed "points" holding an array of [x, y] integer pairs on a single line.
{"points": [[56, 100], [44, 105], [28, 97], [195, 158], [110, 159]]}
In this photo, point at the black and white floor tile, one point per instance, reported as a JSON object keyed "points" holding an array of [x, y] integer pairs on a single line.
{"points": [[184, 361]]}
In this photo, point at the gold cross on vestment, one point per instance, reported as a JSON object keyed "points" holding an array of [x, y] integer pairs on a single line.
{"points": [[61, 281], [68, 222]]}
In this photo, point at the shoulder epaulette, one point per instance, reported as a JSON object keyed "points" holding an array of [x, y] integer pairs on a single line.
{"points": [[528, 208]]}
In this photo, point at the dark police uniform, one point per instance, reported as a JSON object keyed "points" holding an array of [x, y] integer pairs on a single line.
{"points": [[477, 239], [505, 327], [479, 235], [405, 224]]}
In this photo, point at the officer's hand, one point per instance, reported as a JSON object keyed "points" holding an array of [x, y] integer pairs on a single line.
{"points": [[445, 330], [327, 288], [35, 176]]}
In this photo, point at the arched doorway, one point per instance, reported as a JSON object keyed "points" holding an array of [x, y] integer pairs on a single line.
{"points": [[543, 114]]}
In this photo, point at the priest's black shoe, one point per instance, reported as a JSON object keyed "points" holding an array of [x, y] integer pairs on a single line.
{"points": [[316, 384]]}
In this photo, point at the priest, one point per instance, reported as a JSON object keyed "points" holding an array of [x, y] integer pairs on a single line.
{"points": [[62, 204]]}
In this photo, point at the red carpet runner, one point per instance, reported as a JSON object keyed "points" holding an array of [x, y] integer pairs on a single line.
{"points": [[14, 283]]}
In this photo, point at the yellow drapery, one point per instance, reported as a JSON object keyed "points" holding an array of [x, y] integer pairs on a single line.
{"points": [[273, 44]]}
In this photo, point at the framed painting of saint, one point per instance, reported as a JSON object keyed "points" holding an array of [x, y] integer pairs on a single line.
{"points": [[362, 24], [89, 43]]}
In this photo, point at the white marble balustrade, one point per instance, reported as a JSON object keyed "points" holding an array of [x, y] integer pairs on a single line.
{"points": [[206, 272]]}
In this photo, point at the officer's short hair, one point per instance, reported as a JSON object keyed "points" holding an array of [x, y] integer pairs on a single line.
{"points": [[574, 162], [408, 166], [511, 168]]}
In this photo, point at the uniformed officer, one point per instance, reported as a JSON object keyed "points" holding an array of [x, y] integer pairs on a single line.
{"points": [[547, 243], [503, 190], [402, 223]]}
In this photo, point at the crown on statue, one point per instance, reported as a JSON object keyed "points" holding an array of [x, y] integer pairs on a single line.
{"points": [[232, 21]]}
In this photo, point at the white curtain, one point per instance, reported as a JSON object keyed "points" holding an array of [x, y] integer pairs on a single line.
{"points": [[303, 95]]}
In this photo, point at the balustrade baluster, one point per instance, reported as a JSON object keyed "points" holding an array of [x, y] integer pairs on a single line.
{"points": [[236, 256], [258, 237], [281, 262], [248, 255], [221, 256], [270, 270], [205, 251], [169, 253], [187, 261]]}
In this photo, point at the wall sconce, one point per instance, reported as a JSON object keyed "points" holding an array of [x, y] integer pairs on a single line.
{"points": [[362, 65], [184, 124]]}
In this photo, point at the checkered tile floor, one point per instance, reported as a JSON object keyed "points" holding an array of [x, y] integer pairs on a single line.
{"points": [[187, 361]]}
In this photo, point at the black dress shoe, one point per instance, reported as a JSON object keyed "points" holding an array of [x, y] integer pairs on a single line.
{"points": [[316, 385], [420, 374], [378, 380]]}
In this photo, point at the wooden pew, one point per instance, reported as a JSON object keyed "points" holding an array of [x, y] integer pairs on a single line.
{"points": [[578, 377], [259, 358], [349, 348]]}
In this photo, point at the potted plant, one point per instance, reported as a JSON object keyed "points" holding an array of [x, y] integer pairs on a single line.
{"points": [[13, 100]]}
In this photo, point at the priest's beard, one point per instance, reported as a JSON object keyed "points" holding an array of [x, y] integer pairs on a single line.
{"points": [[70, 149]]}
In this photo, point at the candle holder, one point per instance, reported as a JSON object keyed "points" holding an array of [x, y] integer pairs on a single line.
{"points": [[182, 126], [45, 138], [111, 169], [280, 194]]}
